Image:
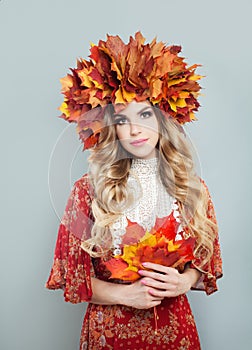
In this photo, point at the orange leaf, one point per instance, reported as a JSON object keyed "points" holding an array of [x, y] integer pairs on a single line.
{"points": [[119, 270], [66, 83]]}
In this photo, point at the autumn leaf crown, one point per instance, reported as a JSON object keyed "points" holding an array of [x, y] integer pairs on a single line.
{"points": [[119, 73]]}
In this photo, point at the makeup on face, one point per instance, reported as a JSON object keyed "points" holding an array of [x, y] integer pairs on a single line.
{"points": [[137, 129]]}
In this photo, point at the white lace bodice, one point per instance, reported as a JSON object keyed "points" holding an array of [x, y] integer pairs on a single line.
{"points": [[152, 200]]}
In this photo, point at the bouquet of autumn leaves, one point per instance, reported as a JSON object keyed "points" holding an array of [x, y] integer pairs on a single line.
{"points": [[163, 245]]}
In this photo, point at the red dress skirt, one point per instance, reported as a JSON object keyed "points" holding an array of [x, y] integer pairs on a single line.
{"points": [[121, 327]]}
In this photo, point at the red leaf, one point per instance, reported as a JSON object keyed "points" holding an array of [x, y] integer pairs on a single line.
{"points": [[134, 232], [166, 226]]}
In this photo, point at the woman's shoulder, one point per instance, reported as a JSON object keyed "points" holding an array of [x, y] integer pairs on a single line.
{"points": [[204, 185], [83, 181], [84, 184]]}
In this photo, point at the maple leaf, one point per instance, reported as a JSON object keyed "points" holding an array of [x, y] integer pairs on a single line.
{"points": [[157, 88], [66, 82], [166, 227], [134, 232], [116, 48], [64, 109], [119, 270]]}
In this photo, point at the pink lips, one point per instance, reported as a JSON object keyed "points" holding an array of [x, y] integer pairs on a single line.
{"points": [[139, 142]]}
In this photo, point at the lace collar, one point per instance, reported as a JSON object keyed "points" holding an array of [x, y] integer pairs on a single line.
{"points": [[144, 167]]}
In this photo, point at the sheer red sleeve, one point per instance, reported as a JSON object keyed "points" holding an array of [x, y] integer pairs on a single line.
{"points": [[213, 269], [72, 267]]}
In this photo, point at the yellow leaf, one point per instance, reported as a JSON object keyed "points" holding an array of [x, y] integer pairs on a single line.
{"points": [[192, 116], [174, 98], [184, 94], [148, 239], [195, 77], [132, 268], [85, 79], [128, 96], [63, 108], [99, 86], [172, 247], [176, 81], [181, 102], [172, 104], [128, 253], [119, 97]]}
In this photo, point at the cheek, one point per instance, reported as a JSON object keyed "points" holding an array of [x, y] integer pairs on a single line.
{"points": [[153, 130], [119, 132], [122, 132], [151, 123], [154, 137]]}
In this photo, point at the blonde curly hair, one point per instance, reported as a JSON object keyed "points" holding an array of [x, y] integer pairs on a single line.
{"points": [[109, 170]]}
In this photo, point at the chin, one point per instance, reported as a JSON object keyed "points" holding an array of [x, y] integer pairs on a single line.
{"points": [[143, 155]]}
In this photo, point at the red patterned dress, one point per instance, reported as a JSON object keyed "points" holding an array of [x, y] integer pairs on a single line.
{"points": [[116, 326]]}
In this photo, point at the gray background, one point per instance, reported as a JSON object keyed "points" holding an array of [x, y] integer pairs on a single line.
{"points": [[41, 155]]}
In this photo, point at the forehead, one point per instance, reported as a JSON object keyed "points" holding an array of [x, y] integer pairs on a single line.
{"points": [[132, 107]]}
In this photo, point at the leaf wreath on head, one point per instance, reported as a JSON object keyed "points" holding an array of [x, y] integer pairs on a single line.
{"points": [[118, 73]]}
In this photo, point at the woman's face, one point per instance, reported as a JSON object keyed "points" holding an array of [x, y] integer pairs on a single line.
{"points": [[137, 129]]}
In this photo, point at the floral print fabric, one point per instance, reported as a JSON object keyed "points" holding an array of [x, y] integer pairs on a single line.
{"points": [[120, 327]]}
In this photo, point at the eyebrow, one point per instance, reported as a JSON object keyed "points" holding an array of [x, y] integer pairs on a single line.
{"points": [[139, 112]]}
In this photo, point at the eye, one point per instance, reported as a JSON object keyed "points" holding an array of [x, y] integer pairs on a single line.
{"points": [[120, 121], [146, 114]]}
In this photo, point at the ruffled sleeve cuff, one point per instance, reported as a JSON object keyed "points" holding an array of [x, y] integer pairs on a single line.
{"points": [[213, 270], [208, 281], [72, 267]]}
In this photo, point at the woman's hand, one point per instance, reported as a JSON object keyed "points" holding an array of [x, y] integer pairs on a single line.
{"points": [[138, 295], [167, 282], [134, 295]]}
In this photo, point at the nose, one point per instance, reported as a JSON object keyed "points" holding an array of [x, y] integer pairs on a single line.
{"points": [[135, 129]]}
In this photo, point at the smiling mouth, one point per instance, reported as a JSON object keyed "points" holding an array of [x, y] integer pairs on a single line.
{"points": [[138, 142]]}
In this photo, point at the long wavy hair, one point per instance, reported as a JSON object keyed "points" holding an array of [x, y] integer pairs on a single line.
{"points": [[109, 170]]}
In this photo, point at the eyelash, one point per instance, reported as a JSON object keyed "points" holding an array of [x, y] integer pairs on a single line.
{"points": [[148, 113], [120, 121], [123, 120]]}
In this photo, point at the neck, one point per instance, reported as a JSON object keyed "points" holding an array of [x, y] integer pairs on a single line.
{"points": [[145, 167]]}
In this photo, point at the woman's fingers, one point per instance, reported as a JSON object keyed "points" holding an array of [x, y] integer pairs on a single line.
{"points": [[163, 281], [154, 275], [166, 281], [159, 268], [160, 286], [162, 293], [160, 273], [154, 283]]}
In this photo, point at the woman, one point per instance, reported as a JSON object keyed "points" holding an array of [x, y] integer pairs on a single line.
{"points": [[139, 229]]}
